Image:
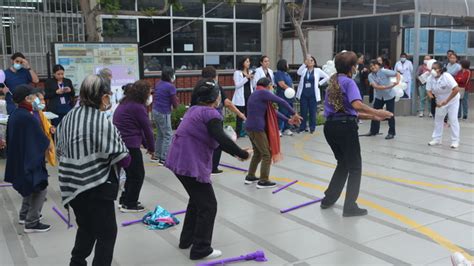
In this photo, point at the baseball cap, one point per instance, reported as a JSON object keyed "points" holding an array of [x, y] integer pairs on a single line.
{"points": [[23, 90]]}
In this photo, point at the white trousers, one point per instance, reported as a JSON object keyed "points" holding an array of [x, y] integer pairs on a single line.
{"points": [[452, 110]]}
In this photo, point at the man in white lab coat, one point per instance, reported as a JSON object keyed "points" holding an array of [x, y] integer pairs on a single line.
{"points": [[405, 68]]}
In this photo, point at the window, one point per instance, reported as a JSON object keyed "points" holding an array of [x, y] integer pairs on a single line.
{"points": [[220, 61], [119, 30], [220, 9], [248, 11], [220, 37], [156, 63], [357, 7], [470, 42], [254, 61], [386, 6], [191, 8], [188, 62], [324, 9], [152, 5], [248, 37], [443, 22], [156, 31], [187, 36], [127, 4]]}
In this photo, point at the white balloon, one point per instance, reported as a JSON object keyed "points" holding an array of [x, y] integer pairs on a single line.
{"points": [[429, 63], [290, 93], [2, 76]]}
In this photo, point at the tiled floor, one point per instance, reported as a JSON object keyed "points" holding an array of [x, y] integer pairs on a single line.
{"points": [[420, 201]]}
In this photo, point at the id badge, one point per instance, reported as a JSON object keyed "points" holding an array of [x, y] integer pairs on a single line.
{"points": [[307, 85], [63, 100]]}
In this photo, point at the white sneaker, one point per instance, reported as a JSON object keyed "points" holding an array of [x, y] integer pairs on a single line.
{"points": [[288, 133], [434, 142], [430, 115], [420, 114], [457, 259], [215, 254], [280, 133], [454, 145]]}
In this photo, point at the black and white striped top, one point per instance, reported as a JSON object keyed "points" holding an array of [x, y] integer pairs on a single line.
{"points": [[88, 146]]}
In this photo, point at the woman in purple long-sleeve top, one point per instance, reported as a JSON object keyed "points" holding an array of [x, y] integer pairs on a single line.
{"points": [[131, 119], [262, 128]]}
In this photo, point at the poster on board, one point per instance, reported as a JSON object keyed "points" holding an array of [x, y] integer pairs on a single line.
{"points": [[82, 59]]}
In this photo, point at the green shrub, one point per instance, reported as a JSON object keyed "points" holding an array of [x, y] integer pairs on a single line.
{"points": [[176, 115]]}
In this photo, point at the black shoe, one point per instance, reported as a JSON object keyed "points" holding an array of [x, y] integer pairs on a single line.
{"points": [[326, 205], [217, 172], [389, 136], [250, 180], [266, 184], [38, 228], [369, 134], [311, 132], [134, 209], [182, 246], [354, 212]]}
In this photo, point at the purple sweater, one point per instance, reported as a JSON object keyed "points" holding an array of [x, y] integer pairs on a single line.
{"points": [[257, 109], [132, 121]]}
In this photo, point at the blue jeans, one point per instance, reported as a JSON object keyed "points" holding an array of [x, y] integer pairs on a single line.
{"points": [[163, 135], [308, 107], [464, 106], [423, 97], [282, 124]]}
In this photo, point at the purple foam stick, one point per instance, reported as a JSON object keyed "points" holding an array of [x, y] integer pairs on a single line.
{"points": [[301, 205], [127, 223], [61, 215], [256, 256], [233, 167], [283, 187], [6, 185]]}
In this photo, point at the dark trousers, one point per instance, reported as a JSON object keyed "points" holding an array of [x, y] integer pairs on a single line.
{"points": [[200, 215], [375, 125], [343, 138], [239, 122], [216, 158], [96, 226], [308, 107], [433, 106], [135, 177]]}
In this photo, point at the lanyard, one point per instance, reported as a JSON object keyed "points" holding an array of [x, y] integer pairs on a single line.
{"points": [[308, 75]]}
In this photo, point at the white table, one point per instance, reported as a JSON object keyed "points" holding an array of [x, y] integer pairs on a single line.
{"points": [[48, 115]]}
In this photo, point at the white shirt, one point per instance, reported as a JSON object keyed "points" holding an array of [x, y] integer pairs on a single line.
{"points": [[318, 74], [406, 69], [259, 73], [442, 87], [239, 81]]}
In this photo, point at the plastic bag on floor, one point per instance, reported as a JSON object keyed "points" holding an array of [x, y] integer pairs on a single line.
{"points": [[159, 219]]}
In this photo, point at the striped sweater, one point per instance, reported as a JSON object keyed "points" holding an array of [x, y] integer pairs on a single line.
{"points": [[88, 146]]}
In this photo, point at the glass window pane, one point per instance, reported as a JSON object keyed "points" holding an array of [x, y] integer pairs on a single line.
{"points": [[408, 21], [156, 62], [470, 42], [443, 22], [153, 29], [324, 9], [119, 30], [127, 4], [220, 37], [223, 11], [191, 8], [248, 37], [220, 61], [357, 7], [385, 6], [187, 36], [188, 62], [248, 11], [152, 5], [254, 60]]}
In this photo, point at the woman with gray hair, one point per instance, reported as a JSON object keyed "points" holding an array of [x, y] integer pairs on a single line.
{"points": [[91, 153]]}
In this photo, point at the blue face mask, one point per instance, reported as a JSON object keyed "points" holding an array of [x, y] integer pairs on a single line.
{"points": [[37, 105], [403, 59], [17, 66]]}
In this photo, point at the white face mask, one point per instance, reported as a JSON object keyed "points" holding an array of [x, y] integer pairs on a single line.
{"points": [[403, 59], [149, 100], [434, 73]]}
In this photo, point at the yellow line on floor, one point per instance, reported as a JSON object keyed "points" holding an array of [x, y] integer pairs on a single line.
{"points": [[402, 218], [299, 147]]}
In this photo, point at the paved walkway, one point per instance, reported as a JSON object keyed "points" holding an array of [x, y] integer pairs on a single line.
{"points": [[420, 201]]}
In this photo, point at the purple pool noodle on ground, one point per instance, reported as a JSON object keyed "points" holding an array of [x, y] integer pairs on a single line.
{"points": [[6, 185], [233, 167], [178, 212], [256, 256], [283, 187], [61, 215], [301, 205]]}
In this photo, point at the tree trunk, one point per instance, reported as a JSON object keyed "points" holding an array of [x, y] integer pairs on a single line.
{"points": [[297, 22], [90, 20]]}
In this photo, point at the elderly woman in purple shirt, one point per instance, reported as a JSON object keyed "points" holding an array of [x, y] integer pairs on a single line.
{"points": [[342, 106], [201, 129]]}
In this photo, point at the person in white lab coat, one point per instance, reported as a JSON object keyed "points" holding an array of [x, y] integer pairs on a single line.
{"points": [[263, 71], [243, 80], [405, 67], [308, 93], [446, 90]]}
